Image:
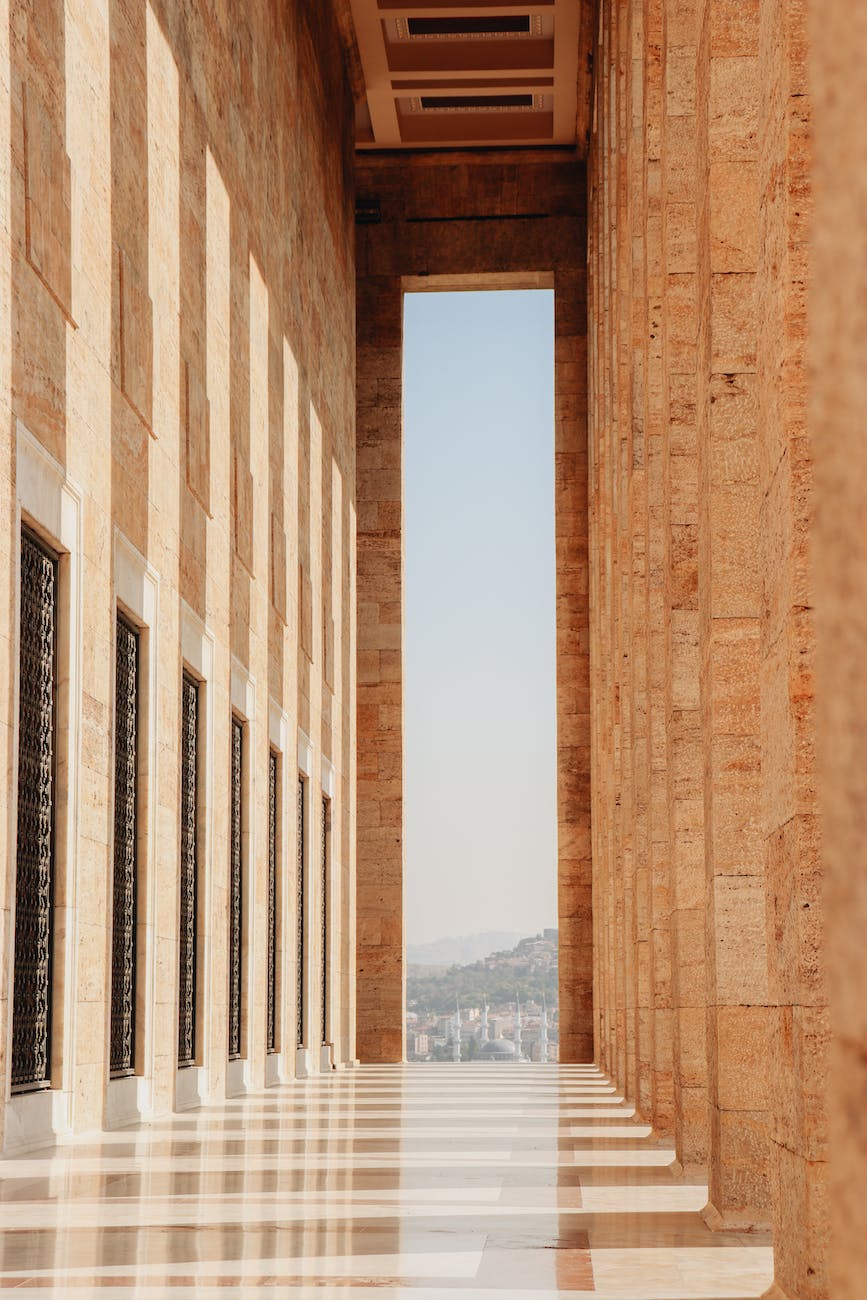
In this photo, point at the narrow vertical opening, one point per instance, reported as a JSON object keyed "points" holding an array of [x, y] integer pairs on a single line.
{"points": [[274, 904], [300, 916], [189, 873], [33, 974], [325, 919], [480, 665], [124, 938], [236, 894]]}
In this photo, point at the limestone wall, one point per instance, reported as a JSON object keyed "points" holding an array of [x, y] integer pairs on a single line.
{"points": [[711, 1002], [177, 382]]}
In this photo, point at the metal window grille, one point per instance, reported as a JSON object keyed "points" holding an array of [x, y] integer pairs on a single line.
{"points": [[34, 889], [236, 893], [323, 919], [189, 871], [299, 914], [123, 939], [273, 771]]}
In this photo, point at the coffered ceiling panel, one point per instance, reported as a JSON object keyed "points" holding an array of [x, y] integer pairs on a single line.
{"points": [[458, 74]]}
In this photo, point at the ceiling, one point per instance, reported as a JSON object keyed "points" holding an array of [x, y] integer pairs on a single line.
{"points": [[449, 74]]}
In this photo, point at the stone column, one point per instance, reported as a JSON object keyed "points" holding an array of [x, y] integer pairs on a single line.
{"points": [[683, 718], [637, 911], [604, 681], [601, 562], [838, 328], [380, 970], [645, 100], [596, 575], [730, 606], [790, 820], [662, 1091], [620, 578], [573, 668]]}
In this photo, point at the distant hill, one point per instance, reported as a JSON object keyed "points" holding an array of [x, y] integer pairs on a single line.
{"points": [[460, 951], [528, 967]]}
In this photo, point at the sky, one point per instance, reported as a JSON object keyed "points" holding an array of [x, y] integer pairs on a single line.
{"points": [[479, 706]]}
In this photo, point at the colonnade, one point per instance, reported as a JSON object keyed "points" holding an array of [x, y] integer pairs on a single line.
{"points": [[711, 1001]]}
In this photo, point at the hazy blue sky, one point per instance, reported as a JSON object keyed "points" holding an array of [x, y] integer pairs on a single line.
{"points": [[480, 688]]}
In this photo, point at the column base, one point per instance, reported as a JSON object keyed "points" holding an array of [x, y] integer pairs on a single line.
{"points": [[732, 1222], [303, 1063], [689, 1172]]}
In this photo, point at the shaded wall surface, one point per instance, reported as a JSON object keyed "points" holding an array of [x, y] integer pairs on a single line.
{"points": [[467, 221], [177, 368], [709, 967]]}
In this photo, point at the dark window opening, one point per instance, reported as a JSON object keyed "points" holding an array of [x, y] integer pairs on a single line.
{"points": [[125, 883], [189, 901], [324, 918], [34, 878], [299, 918], [236, 892], [273, 822]]}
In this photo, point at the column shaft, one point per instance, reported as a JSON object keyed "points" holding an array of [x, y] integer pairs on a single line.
{"points": [[738, 1017], [380, 970]]}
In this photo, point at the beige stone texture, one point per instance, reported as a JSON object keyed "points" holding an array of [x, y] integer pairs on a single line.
{"points": [[169, 351], [380, 936], [791, 830], [837, 40], [699, 184], [729, 608], [201, 352]]}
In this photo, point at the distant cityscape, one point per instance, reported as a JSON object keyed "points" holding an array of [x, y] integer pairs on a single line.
{"points": [[503, 1008]]}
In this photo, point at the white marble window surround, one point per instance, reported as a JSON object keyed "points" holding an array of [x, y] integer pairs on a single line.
{"points": [[52, 505], [192, 1084], [277, 1064], [243, 705], [305, 754], [136, 592]]}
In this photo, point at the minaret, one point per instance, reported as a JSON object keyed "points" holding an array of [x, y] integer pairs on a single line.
{"points": [[543, 1035], [484, 1035], [456, 1041], [519, 1055]]}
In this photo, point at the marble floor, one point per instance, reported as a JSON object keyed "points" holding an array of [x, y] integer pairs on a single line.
{"points": [[426, 1180]]}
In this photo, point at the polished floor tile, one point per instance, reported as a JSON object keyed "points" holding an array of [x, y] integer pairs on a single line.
{"points": [[430, 1181]]}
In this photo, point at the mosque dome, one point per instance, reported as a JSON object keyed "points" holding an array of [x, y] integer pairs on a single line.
{"points": [[498, 1049]]}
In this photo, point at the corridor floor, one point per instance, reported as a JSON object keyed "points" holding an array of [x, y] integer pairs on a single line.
{"points": [[426, 1180]]}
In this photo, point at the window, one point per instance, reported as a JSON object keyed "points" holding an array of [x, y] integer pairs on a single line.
{"points": [[273, 817], [189, 871], [324, 918], [299, 915], [34, 888], [236, 892], [125, 900]]}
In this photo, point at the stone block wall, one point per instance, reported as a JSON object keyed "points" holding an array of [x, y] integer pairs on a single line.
{"points": [[711, 998], [177, 366]]}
